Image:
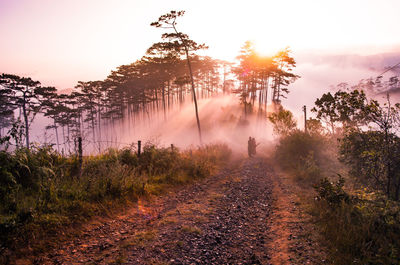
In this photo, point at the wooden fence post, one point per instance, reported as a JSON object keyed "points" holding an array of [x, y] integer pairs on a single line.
{"points": [[305, 118], [80, 155], [139, 146]]}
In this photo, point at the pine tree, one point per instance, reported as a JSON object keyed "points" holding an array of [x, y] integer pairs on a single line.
{"points": [[182, 44]]}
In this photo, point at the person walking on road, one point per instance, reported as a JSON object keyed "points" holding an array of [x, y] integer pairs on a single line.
{"points": [[251, 146]]}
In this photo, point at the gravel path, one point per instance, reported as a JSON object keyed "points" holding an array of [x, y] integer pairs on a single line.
{"points": [[225, 219]]}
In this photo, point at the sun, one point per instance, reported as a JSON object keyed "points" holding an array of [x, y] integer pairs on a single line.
{"points": [[267, 48]]}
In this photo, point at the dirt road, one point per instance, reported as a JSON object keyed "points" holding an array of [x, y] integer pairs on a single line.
{"points": [[240, 216]]}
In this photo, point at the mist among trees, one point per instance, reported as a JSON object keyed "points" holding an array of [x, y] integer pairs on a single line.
{"points": [[167, 76]]}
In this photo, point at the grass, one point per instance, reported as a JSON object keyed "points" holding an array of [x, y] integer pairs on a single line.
{"points": [[360, 227], [168, 220], [306, 157], [42, 190], [357, 225], [143, 237], [191, 230]]}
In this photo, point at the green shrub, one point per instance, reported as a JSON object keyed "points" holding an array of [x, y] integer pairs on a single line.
{"points": [[374, 159], [283, 121], [302, 155], [307, 169], [361, 229], [128, 157], [332, 193]]}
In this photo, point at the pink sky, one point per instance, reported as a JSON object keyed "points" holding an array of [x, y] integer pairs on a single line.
{"points": [[62, 42]]}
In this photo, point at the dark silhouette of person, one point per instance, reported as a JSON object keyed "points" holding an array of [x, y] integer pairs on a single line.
{"points": [[254, 146], [251, 146]]}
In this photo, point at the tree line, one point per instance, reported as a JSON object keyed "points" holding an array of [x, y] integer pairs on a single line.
{"points": [[144, 87], [369, 143], [259, 74], [169, 74]]}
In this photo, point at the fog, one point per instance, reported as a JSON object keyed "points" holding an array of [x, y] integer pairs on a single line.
{"points": [[321, 72], [222, 117], [221, 120]]}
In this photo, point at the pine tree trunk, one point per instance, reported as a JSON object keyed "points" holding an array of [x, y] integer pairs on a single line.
{"points": [[99, 125], [58, 143], [194, 94], [163, 102], [26, 121]]}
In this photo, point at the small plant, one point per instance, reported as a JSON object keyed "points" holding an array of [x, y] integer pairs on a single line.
{"points": [[332, 193]]}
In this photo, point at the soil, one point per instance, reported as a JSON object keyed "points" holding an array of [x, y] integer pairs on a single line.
{"points": [[246, 214]]}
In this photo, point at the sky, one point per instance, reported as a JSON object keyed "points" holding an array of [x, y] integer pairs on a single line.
{"points": [[65, 41]]}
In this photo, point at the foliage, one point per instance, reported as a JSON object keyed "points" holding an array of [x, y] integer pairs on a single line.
{"points": [[40, 190], [347, 108], [303, 155], [353, 110], [148, 85], [332, 193], [169, 73], [257, 74], [374, 159], [314, 127], [283, 122], [178, 44], [6, 109], [15, 133], [359, 229], [362, 226], [372, 154], [23, 93]]}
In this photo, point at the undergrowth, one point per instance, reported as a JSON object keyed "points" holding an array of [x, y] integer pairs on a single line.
{"points": [[357, 225], [304, 156], [41, 190], [362, 228]]}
